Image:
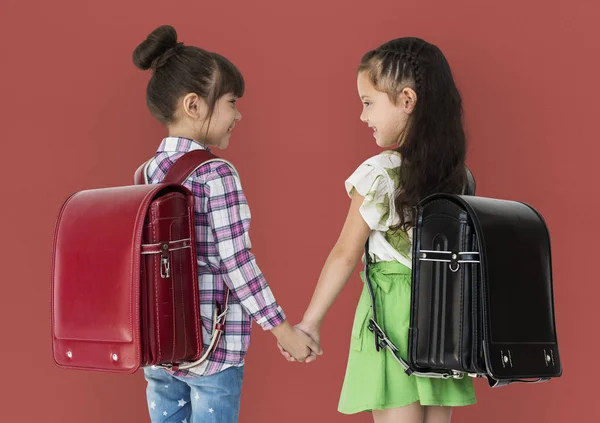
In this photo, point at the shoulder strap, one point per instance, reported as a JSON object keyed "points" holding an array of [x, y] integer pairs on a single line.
{"points": [[180, 170], [469, 188], [382, 342], [185, 165], [177, 174], [138, 177]]}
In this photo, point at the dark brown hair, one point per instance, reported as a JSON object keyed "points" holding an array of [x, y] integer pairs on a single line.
{"points": [[433, 145], [178, 70]]}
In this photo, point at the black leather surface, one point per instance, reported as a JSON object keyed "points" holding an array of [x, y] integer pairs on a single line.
{"points": [[496, 317]]}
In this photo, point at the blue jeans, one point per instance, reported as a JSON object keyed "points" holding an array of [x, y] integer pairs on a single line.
{"points": [[194, 399]]}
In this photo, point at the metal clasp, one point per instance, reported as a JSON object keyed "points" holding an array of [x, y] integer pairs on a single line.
{"points": [[454, 259], [165, 264], [454, 264]]}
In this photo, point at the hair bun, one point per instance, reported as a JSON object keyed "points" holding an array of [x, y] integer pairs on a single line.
{"points": [[152, 48]]}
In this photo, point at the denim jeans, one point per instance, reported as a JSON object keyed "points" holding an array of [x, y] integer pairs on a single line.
{"points": [[194, 399]]}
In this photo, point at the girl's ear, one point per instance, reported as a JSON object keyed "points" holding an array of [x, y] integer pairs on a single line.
{"points": [[194, 106], [407, 100]]}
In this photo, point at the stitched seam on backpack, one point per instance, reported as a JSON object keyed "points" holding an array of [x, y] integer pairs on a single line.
{"points": [[156, 270]]}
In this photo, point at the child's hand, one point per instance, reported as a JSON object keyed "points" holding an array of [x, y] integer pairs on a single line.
{"points": [[297, 344], [313, 332]]}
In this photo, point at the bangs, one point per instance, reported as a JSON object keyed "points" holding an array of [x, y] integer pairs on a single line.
{"points": [[229, 80]]}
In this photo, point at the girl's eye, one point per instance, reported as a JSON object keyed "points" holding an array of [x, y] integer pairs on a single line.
{"points": [[366, 103]]}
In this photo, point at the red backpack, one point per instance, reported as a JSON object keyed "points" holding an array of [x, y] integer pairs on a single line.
{"points": [[125, 278]]}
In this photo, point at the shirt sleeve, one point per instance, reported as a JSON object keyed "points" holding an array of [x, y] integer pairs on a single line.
{"points": [[229, 218], [371, 182]]}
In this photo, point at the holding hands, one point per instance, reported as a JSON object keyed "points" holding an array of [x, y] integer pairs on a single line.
{"points": [[299, 343]]}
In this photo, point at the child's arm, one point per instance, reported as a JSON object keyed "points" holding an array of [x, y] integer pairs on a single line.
{"points": [[338, 268], [229, 218], [369, 189]]}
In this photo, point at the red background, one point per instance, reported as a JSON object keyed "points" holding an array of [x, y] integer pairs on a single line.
{"points": [[73, 117]]}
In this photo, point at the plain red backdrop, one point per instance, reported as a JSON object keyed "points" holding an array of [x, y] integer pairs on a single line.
{"points": [[73, 115]]}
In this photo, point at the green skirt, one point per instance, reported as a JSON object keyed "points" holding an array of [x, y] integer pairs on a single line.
{"points": [[375, 380]]}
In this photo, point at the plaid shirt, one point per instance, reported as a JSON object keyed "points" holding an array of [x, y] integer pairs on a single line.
{"points": [[222, 221]]}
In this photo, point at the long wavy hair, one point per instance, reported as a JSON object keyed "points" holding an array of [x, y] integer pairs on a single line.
{"points": [[433, 144]]}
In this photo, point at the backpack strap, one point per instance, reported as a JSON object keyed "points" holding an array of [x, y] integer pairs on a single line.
{"points": [[179, 171], [469, 188], [381, 339], [218, 329], [186, 165], [383, 342], [140, 178]]}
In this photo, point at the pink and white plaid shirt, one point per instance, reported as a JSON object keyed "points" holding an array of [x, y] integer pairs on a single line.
{"points": [[222, 220]]}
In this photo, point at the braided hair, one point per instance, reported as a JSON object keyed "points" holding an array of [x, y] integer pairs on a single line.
{"points": [[433, 145]]}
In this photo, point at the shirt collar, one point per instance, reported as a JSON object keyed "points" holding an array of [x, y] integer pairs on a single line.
{"points": [[179, 145]]}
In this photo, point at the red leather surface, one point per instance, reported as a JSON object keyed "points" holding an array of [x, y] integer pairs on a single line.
{"points": [[172, 312], [96, 283]]}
